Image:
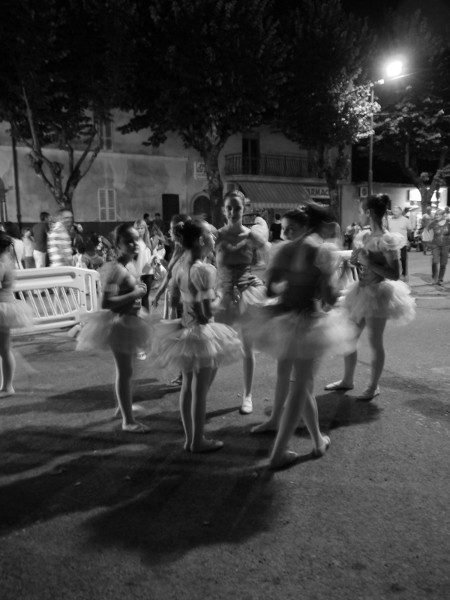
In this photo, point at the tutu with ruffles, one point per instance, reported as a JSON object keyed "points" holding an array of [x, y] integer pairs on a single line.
{"points": [[125, 333], [373, 296], [241, 290], [194, 347], [387, 299], [15, 315], [306, 334]]}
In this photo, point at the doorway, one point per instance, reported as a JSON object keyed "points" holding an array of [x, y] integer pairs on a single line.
{"points": [[170, 207], [202, 208]]}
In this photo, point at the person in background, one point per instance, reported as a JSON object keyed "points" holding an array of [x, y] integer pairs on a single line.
{"points": [[275, 230], [40, 232], [159, 223], [427, 234], [92, 255], [79, 258], [440, 227], [28, 247], [59, 242], [398, 223], [17, 248], [148, 221]]}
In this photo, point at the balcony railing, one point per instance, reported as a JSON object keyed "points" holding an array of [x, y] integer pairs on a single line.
{"points": [[280, 165]]}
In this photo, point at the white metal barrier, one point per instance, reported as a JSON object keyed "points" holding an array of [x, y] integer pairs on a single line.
{"points": [[57, 295]]}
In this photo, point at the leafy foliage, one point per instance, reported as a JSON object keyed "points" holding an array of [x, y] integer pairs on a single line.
{"points": [[325, 100], [413, 130], [205, 69], [55, 82]]}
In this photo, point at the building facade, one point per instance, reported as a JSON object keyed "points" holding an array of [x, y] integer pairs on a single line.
{"points": [[128, 179]]}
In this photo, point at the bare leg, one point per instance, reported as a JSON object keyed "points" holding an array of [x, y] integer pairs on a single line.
{"points": [[124, 373], [186, 408], [375, 331], [300, 396], [350, 362], [284, 368], [200, 386], [249, 368], [8, 363]]}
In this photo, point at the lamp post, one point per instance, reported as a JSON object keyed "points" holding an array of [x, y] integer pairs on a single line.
{"points": [[393, 71]]}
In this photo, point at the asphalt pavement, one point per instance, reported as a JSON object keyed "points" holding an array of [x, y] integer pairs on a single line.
{"points": [[88, 512]]}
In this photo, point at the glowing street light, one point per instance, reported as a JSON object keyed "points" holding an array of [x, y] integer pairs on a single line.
{"points": [[393, 70]]}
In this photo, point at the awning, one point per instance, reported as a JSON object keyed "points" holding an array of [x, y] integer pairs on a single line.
{"points": [[274, 195]]}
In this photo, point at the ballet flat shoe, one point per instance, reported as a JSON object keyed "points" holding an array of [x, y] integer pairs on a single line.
{"points": [[368, 394], [321, 450], [136, 428], [246, 407], [337, 386]]}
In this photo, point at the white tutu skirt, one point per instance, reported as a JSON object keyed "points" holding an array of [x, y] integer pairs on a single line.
{"points": [[290, 335], [388, 299], [106, 330], [195, 347], [15, 315]]}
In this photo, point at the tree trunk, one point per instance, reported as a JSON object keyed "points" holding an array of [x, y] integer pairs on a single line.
{"points": [[215, 184]]}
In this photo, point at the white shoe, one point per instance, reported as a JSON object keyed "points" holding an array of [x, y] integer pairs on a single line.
{"points": [[141, 356], [247, 406]]}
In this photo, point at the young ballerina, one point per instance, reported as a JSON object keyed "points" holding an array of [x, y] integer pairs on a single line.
{"points": [[298, 331], [195, 344], [121, 326], [238, 287], [378, 295], [13, 314]]}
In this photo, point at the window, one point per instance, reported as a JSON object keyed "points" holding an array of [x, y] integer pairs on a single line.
{"points": [[107, 204]]}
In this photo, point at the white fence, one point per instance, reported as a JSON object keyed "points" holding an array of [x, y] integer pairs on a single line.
{"points": [[57, 295]]}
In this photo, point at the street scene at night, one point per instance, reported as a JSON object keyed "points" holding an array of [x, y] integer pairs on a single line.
{"points": [[224, 299]]}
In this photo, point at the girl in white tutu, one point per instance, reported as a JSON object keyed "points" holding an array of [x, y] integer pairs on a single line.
{"points": [[298, 331], [122, 326], [378, 295], [195, 344], [239, 288], [13, 314]]}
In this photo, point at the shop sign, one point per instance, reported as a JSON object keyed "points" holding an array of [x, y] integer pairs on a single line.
{"points": [[316, 191]]}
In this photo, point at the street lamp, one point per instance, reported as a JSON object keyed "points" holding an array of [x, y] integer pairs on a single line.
{"points": [[393, 70]]}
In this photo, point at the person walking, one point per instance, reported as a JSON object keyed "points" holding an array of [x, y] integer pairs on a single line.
{"points": [[59, 242], [398, 223], [298, 330], [40, 232], [440, 244]]}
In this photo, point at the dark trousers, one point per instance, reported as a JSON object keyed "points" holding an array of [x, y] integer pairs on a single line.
{"points": [[148, 280], [440, 259], [404, 261]]}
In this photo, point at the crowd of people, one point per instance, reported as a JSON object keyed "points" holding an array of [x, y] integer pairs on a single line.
{"points": [[217, 311]]}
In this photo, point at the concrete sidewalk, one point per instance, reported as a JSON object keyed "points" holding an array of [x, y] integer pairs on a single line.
{"points": [[88, 512]]}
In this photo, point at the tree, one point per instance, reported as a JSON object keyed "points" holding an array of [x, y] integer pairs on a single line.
{"points": [[413, 131], [56, 83], [325, 101], [205, 69]]}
